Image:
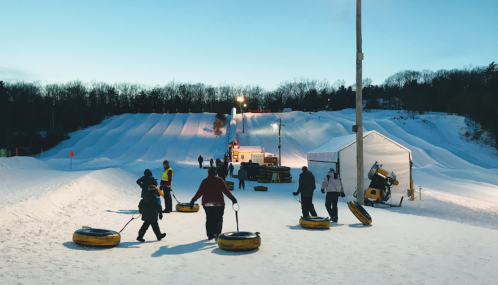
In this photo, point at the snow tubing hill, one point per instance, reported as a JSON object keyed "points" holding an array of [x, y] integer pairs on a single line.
{"points": [[239, 241], [185, 207], [315, 222], [360, 212], [260, 188], [96, 237]]}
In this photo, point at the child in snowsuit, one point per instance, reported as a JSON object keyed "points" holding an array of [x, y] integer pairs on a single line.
{"points": [[145, 181], [231, 169], [150, 208]]}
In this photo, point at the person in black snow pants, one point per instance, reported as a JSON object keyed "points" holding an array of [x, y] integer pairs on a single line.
{"points": [[211, 162], [150, 208], [200, 159], [332, 184], [231, 169], [242, 177], [145, 181], [306, 188]]}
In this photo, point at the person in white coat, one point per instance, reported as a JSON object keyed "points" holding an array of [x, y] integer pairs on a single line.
{"points": [[332, 184]]}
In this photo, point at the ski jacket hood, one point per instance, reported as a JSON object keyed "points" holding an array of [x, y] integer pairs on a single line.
{"points": [[331, 184]]}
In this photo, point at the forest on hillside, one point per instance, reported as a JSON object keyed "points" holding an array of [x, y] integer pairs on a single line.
{"points": [[35, 116]]}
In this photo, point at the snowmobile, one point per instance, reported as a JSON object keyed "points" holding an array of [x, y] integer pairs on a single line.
{"points": [[379, 190]]}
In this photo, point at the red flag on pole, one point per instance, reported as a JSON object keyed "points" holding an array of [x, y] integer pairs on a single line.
{"points": [[72, 153]]}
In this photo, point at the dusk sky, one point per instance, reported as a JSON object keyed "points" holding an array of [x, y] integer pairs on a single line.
{"points": [[239, 42]]}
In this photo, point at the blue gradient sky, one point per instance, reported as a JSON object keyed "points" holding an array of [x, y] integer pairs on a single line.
{"points": [[239, 42]]}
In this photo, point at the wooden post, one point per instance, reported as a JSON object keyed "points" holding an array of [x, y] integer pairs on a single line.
{"points": [[359, 101]]}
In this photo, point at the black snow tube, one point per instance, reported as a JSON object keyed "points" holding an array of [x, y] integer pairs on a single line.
{"points": [[96, 237], [229, 183], [315, 222], [360, 212], [230, 187], [260, 188], [239, 241]]}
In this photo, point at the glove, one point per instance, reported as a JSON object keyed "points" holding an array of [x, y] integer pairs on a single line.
{"points": [[234, 201], [191, 205], [295, 193], [160, 216], [323, 191], [343, 195]]}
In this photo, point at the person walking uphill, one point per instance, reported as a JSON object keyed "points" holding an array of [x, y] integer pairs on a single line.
{"points": [[306, 188], [150, 208], [242, 175], [212, 189], [231, 169], [200, 159], [166, 180], [332, 184], [145, 181]]}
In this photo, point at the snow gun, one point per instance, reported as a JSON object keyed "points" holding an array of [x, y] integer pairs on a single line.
{"points": [[379, 190]]}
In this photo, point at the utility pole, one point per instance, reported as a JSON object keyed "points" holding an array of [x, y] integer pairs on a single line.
{"points": [[359, 101], [53, 125], [279, 143]]}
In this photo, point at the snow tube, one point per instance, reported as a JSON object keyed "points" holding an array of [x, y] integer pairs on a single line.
{"points": [[239, 241], [360, 212], [228, 183], [230, 187], [260, 188], [185, 207], [96, 237], [315, 222]]}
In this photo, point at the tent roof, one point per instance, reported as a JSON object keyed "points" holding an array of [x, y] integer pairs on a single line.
{"points": [[327, 151]]}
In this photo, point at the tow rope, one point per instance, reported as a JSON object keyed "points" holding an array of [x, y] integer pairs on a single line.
{"points": [[132, 218]]}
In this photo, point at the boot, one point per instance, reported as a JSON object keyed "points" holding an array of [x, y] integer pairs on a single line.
{"points": [[163, 235], [140, 237]]}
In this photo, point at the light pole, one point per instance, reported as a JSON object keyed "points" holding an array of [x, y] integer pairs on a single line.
{"points": [[241, 99], [279, 126]]}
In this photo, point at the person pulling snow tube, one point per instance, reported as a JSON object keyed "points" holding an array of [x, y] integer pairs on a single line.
{"points": [[185, 207], [96, 237], [239, 241], [315, 222], [360, 212]]}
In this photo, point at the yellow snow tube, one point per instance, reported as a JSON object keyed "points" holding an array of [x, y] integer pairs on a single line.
{"points": [[239, 241], [360, 212], [315, 222], [96, 237], [185, 207]]}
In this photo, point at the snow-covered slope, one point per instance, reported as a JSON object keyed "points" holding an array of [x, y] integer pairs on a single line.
{"points": [[449, 237]]}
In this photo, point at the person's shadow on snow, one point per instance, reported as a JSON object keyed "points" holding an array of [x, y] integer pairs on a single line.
{"points": [[184, 248], [127, 212], [300, 228], [359, 226]]}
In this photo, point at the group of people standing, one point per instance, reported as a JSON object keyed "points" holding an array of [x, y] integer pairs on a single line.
{"points": [[211, 190], [224, 169]]}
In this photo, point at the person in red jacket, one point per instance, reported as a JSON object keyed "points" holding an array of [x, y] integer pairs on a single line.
{"points": [[166, 179], [212, 189]]}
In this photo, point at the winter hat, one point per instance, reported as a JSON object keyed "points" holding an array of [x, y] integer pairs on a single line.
{"points": [[153, 187], [332, 169], [212, 170], [147, 172]]}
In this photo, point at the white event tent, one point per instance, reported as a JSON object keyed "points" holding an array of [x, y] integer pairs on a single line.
{"points": [[340, 153]]}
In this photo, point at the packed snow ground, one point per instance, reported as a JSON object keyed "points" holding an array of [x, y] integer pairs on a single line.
{"points": [[449, 237]]}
